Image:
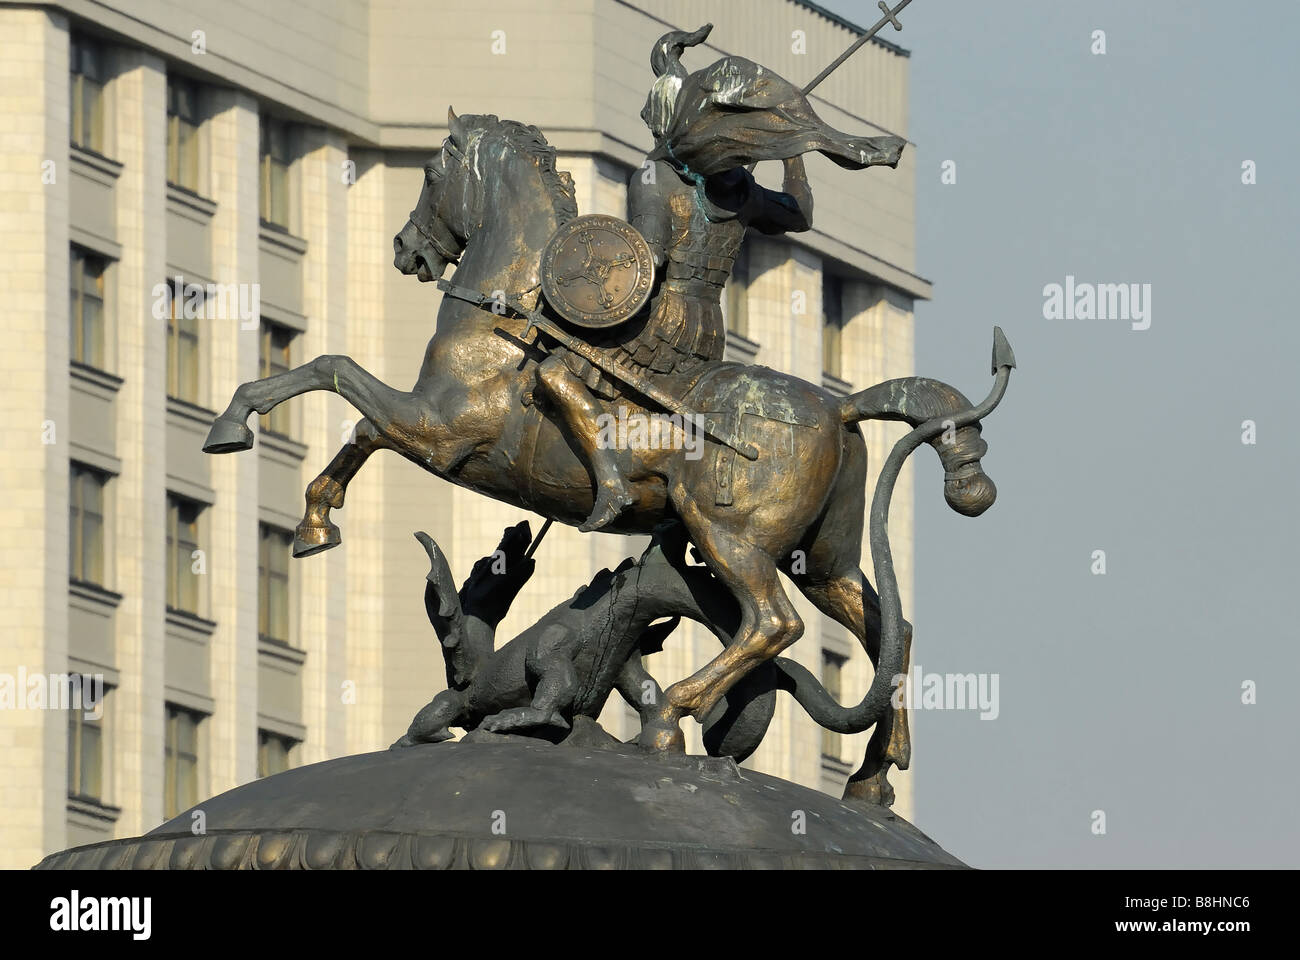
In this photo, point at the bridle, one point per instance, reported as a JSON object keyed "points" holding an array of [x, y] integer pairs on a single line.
{"points": [[441, 242], [439, 235]]}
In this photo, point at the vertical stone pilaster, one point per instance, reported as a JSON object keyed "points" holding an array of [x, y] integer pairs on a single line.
{"points": [[34, 388], [231, 735], [878, 345], [139, 92], [785, 318], [322, 579], [369, 259]]}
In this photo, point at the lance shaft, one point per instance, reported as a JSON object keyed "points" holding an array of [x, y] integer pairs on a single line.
{"points": [[891, 16]]}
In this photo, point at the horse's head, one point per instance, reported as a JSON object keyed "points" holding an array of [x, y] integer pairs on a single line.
{"points": [[528, 195], [440, 225]]}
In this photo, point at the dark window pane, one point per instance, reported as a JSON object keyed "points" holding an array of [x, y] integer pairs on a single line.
{"points": [[274, 160], [279, 142], [275, 359], [75, 273], [182, 541], [86, 95], [92, 105], [92, 547], [91, 784], [85, 747], [182, 352], [832, 330], [86, 309], [272, 753], [173, 150], [169, 767], [86, 524], [180, 760], [737, 295], [279, 182], [184, 105], [171, 552], [89, 61], [74, 113], [187, 174], [832, 673], [182, 134], [74, 742], [273, 584], [92, 325]]}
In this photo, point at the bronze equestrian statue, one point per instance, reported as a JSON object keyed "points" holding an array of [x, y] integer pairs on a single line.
{"points": [[568, 663], [491, 201]]}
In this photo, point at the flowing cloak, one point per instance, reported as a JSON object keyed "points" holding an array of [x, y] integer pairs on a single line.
{"points": [[737, 112]]}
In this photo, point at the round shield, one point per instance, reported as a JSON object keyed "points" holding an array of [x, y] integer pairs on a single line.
{"points": [[597, 271]]}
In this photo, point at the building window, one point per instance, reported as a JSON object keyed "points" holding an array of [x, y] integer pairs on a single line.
{"points": [[183, 134], [273, 753], [182, 350], [274, 161], [87, 95], [275, 358], [832, 324], [737, 295], [85, 744], [86, 524], [182, 544], [832, 674], [273, 553], [180, 760], [86, 308]]}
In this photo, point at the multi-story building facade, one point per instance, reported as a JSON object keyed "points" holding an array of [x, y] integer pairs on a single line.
{"points": [[194, 195]]}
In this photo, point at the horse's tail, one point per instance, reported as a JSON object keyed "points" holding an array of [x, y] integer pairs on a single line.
{"points": [[915, 400], [941, 416]]}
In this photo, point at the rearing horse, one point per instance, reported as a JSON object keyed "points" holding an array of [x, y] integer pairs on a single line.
{"points": [[491, 199]]}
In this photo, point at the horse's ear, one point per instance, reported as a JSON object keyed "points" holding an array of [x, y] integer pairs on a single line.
{"points": [[455, 127]]}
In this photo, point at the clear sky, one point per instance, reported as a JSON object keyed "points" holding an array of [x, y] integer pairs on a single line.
{"points": [[1119, 692]]}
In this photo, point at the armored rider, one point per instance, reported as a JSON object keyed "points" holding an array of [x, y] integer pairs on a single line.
{"points": [[693, 200]]}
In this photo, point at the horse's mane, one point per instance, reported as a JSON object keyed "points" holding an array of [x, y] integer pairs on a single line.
{"points": [[529, 140]]}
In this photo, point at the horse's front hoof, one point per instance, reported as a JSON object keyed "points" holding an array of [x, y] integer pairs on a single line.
{"points": [[228, 436], [661, 736], [312, 538]]}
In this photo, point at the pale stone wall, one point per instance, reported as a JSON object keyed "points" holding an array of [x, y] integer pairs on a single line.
{"points": [[326, 420], [34, 398], [361, 85], [365, 619], [230, 735], [139, 493]]}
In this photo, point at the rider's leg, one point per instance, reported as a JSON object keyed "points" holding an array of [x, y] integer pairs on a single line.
{"points": [[579, 415]]}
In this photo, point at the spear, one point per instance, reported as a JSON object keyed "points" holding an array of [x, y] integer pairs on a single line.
{"points": [[890, 17]]}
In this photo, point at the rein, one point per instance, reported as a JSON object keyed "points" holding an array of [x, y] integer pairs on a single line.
{"points": [[438, 243]]}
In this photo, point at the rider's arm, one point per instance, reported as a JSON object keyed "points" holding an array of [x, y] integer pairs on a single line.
{"points": [[788, 210], [647, 208]]}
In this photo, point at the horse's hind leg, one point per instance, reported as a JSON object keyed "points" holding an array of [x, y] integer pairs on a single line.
{"points": [[317, 532], [850, 600], [769, 624]]}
